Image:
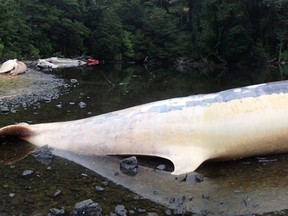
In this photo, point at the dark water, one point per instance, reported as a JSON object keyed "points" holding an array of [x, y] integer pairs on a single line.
{"points": [[112, 87]]}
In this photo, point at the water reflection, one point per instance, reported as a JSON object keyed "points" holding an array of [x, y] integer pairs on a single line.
{"points": [[113, 87]]}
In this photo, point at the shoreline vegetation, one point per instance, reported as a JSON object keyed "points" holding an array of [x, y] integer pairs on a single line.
{"points": [[181, 32]]}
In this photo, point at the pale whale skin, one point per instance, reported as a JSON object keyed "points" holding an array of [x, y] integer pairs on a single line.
{"points": [[13, 67], [231, 124]]}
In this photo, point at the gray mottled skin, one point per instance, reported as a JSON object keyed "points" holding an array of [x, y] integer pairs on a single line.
{"points": [[253, 91]]}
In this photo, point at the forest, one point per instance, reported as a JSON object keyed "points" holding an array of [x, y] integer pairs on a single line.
{"points": [[207, 31]]}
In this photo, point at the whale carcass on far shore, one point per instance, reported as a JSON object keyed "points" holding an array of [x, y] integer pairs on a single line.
{"points": [[13, 67], [231, 124], [55, 62]]}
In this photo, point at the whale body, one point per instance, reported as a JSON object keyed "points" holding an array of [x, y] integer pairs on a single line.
{"points": [[55, 62], [13, 67], [231, 124]]}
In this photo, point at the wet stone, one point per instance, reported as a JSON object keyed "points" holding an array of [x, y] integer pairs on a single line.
{"points": [[87, 208], [43, 155], [129, 166], [120, 210]]}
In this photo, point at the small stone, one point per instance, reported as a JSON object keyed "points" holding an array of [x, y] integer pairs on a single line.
{"points": [[155, 192], [152, 214], [132, 212], [13, 110], [129, 166], [11, 195], [172, 200], [205, 195], [99, 189], [161, 167], [194, 178], [5, 186], [4, 109], [120, 210], [59, 106], [87, 208], [82, 105], [73, 81], [141, 210], [27, 172], [57, 193], [43, 155], [104, 184], [168, 212], [180, 206], [56, 212]]}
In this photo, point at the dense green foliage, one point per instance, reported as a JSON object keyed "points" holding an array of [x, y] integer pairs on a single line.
{"points": [[221, 31]]}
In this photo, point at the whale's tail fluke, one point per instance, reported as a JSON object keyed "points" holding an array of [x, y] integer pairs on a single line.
{"points": [[21, 130]]}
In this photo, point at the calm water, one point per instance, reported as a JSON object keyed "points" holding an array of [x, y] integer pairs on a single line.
{"points": [[113, 87]]}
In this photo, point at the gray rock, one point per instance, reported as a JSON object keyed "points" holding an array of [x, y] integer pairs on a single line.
{"points": [[161, 167], [152, 214], [99, 189], [82, 105], [57, 193], [87, 208], [193, 178], [120, 210], [56, 212], [27, 172], [104, 184], [129, 166], [180, 206], [74, 81], [43, 155], [205, 195]]}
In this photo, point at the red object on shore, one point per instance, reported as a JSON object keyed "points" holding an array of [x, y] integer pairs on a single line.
{"points": [[92, 61]]}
